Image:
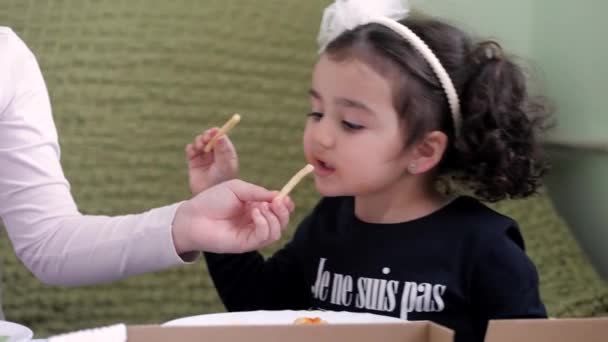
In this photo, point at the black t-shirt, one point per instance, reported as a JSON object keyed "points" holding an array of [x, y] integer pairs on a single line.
{"points": [[459, 266]]}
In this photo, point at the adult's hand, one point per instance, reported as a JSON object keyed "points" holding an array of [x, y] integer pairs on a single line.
{"points": [[231, 217]]}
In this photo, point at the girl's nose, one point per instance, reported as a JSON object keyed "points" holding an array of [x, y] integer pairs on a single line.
{"points": [[324, 134]]}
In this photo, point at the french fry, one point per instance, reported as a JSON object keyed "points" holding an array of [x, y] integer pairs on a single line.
{"points": [[295, 180], [224, 130]]}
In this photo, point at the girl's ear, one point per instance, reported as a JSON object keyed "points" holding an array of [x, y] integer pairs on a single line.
{"points": [[427, 153]]}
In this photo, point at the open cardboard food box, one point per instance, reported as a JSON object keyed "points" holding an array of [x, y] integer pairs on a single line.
{"points": [[545, 330]]}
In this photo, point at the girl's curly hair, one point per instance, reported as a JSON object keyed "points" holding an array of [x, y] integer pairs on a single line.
{"points": [[498, 153]]}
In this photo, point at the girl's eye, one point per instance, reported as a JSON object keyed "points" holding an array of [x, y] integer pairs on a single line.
{"points": [[316, 115], [351, 126]]}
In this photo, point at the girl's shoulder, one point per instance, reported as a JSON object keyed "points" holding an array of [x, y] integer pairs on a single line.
{"points": [[473, 211], [482, 223]]}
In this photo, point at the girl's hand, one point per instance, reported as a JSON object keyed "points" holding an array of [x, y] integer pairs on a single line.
{"points": [[208, 169]]}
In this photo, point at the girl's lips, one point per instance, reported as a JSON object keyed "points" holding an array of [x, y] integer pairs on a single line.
{"points": [[322, 169]]}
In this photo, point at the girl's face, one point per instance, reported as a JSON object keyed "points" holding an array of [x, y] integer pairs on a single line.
{"points": [[353, 136]]}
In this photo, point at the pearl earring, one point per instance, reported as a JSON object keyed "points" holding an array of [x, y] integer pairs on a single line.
{"points": [[412, 167]]}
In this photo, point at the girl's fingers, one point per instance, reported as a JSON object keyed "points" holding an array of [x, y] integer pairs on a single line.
{"points": [[199, 142], [203, 139], [190, 153]]}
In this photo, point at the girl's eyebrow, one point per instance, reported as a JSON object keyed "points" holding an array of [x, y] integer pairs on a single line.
{"points": [[354, 104], [343, 102], [314, 94]]}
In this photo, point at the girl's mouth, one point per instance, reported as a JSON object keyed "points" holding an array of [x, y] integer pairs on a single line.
{"points": [[323, 169]]}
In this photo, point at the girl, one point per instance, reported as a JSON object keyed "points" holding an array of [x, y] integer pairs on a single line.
{"points": [[397, 106]]}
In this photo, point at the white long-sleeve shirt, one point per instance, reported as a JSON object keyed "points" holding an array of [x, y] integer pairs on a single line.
{"points": [[52, 238]]}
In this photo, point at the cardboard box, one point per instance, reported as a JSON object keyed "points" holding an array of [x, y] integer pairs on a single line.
{"points": [[548, 330], [533, 330], [410, 332]]}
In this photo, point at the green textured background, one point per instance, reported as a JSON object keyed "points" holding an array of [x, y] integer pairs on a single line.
{"points": [[132, 82]]}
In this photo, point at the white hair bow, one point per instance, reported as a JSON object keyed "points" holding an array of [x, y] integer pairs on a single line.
{"points": [[345, 15]]}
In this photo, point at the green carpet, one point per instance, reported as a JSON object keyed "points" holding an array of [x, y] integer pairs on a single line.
{"points": [[132, 82]]}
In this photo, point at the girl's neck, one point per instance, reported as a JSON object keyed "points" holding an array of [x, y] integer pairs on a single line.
{"points": [[408, 200]]}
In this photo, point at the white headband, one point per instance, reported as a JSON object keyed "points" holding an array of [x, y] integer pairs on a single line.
{"points": [[345, 15]]}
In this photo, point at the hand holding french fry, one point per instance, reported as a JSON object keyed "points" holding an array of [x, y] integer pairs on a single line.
{"points": [[219, 164], [231, 217], [235, 119]]}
